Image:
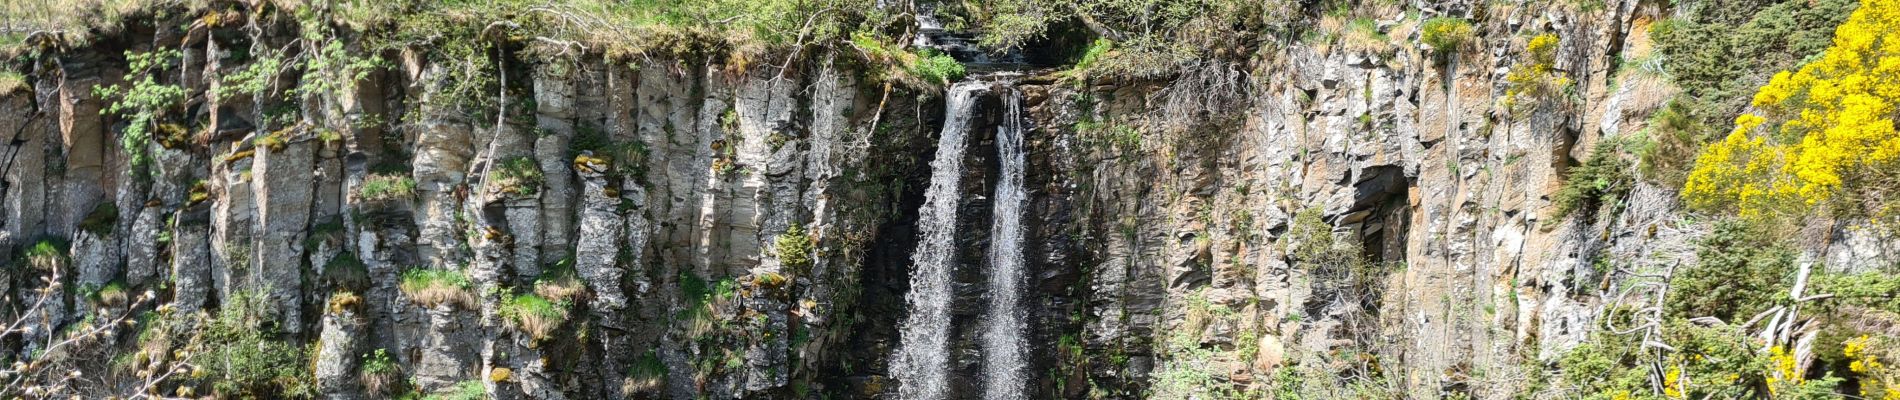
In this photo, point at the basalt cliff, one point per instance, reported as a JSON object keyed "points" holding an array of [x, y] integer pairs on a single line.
{"points": [[264, 199]]}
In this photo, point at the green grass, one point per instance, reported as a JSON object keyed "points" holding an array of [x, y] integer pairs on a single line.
{"points": [[466, 390], [387, 187], [111, 294]]}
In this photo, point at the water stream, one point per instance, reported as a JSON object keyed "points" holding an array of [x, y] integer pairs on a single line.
{"points": [[1003, 348], [923, 355]]}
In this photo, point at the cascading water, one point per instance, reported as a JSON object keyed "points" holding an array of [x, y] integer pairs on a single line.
{"points": [[1002, 342], [923, 354]]}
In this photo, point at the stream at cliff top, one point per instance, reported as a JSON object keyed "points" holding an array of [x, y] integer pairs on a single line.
{"points": [[923, 356], [1003, 348]]}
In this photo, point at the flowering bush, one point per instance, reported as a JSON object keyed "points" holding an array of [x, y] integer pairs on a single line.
{"points": [[1824, 136]]}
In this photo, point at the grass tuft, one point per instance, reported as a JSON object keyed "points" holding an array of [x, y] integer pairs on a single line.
{"points": [[433, 287], [534, 315], [46, 255]]}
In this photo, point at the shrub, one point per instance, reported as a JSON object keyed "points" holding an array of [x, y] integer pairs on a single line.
{"points": [[142, 101], [519, 176], [1740, 273], [935, 67], [1097, 51], [1447, 34], [1154, 39], [534, 315], [1707, 362], [387, 187], [1872, 358], [1824, 134], [793, 248], [1672, 138], [1718, 59], [1602, 368], [1534, 80], [1876, 290], [433, 287], [241, 360], [1595, 186]]}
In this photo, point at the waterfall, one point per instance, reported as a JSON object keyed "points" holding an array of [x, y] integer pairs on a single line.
{"points": [[923, 354], [1003, 347]]}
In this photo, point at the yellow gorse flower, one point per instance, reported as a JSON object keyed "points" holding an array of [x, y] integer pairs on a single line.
{"points": [[1672, 382], [1819, 131]]}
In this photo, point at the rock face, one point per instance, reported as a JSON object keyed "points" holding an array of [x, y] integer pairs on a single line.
{"points": [[746, 231]]}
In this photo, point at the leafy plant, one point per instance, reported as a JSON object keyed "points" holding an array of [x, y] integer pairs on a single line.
{"points": [[935, 67], [142, 101], [244, 361]]}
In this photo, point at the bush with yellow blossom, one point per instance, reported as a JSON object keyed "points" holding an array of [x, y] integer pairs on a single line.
{"points": [[1864, 355], [1822, 136], [1535, 80]]}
